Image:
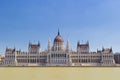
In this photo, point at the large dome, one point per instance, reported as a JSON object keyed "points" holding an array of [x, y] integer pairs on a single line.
{"points": [[58, 38]]}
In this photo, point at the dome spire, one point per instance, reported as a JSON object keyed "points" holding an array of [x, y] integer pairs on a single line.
{"points": [[58, 32], [58, 38]]}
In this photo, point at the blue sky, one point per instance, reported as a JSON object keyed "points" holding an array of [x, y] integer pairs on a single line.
{"points": [[22, 21]]}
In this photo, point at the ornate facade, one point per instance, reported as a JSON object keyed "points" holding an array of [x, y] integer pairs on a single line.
{"points": [[59, 55]]}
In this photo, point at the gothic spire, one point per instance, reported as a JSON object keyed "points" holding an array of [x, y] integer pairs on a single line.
{"points": [[78, 43], [38, 43], [87, 43], [49, 45], [103, 49], [67, 46], [29, 43], [58, 32], [111, 49]]}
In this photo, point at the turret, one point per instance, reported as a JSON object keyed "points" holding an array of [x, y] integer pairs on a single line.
{"points": [[34, 48], [49, 46], [83, 48], [67, 46]]}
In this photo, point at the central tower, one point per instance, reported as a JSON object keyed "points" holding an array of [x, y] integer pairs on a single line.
{"points": [[58, 55], [58, 43]]}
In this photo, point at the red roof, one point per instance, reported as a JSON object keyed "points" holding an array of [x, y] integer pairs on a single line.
{"points": [[58, 39], [34, 46], [83, 46], [107, 51], [10, 50]]}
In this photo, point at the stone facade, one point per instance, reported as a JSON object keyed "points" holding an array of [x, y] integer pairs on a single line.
{"points": [[59, 55]]}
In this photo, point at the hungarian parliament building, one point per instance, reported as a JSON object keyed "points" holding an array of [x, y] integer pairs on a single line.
{"points": [[58, 54]]}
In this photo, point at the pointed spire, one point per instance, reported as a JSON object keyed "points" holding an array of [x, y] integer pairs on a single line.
{"points": [[38, 43], [103, 49], [6, 48], [67, 46], [111, 49], [87, 43], [97, 50], [58, 32], [29, 43], [14, 49], [20, 50], [49, 45], [78, 43]]}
